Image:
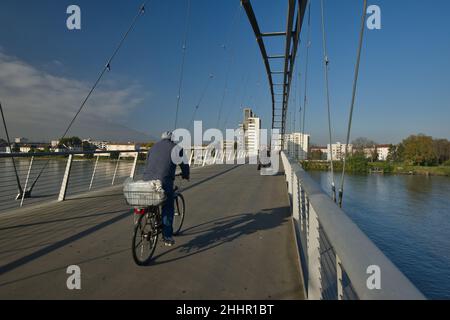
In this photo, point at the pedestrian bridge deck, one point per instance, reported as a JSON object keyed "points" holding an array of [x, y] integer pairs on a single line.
{"points": [[238, 243]]}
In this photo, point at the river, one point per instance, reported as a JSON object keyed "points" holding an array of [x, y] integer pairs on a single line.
{"points": [[408, 217]]}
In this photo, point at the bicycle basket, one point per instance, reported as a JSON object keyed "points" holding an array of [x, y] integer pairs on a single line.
{"points": [[144, 198], [143, 194]]}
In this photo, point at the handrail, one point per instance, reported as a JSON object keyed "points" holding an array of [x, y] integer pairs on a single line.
{"points": [[354, 251], [65, 153], [58, 181]]}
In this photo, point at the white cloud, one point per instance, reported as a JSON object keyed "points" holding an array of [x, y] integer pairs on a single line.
{"points": [[40, 105]]}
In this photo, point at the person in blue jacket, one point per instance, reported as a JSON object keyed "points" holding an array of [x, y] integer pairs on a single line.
{"points": [[161, 166]]}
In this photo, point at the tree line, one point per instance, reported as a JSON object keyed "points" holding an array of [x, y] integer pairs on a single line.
{"points": [[421, 150]]}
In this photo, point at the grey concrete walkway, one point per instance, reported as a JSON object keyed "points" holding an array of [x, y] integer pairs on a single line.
{"points": [[238, 243]]}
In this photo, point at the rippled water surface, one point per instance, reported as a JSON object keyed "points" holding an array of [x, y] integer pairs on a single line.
{"points": [[408, 217]]}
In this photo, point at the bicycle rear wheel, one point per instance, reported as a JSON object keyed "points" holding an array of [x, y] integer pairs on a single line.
{"points": [[180, 210], [145, 238]]}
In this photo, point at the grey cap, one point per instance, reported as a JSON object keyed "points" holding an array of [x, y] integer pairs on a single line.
{"points": [[167, 135]]}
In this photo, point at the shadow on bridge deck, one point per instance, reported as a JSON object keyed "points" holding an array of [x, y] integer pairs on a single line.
{"points": [[237, 243]]}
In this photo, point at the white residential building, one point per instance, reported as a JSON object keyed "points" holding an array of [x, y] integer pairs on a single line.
{"points": [[5, 149], [25, 149], [99, 144], [337, 150], [250, 135], [115, 146], [21, 140], [297, 145], [253, 136], [381, 149]]}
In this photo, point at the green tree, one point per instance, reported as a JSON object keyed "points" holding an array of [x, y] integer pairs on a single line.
{"points": [[396, 153], [442, 150], [315, 155], [361, 143], [357, 163], [72, 142], [419, 150], [88, 147], [15, 148]]}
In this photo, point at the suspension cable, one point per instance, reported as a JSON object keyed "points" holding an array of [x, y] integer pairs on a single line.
{"points": [[200, 100], [107, 67], [326, 62], [294, 103], [239, 97], [183, 59], [355, 83], [298, 90], [230, 62], [305, 101], [19, 186]]}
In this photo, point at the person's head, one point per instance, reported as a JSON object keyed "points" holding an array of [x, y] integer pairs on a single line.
{"points": [[167, 135]]}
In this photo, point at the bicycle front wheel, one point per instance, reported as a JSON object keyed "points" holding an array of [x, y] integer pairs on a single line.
{"points": [[178, 218], [145, 238]]}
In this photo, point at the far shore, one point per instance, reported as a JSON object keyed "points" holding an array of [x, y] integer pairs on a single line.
{"points": [[381, 168]]}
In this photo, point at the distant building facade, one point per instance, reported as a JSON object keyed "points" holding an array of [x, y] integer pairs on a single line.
{"points": [[4, 148], [250, 132], [99, 144], [297, 144], [128, 146], [21, 140], [382, 151], [337, 151]]}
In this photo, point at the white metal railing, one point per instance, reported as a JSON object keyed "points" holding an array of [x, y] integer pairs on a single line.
{"points": [[55, 175], [338, 260]]}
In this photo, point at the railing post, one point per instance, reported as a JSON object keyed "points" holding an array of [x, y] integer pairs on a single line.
{"points": [[26, 182], [288, 173], [302, 207], [314, 261], [133, 168], [191, 156], [216, 153], [205, 157], [340, 288], [93, 173], [65, 182], [292, 181], [295, 199], [115, 171]]}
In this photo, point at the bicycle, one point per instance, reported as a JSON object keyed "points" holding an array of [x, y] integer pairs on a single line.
{"points": [[148, 225]]}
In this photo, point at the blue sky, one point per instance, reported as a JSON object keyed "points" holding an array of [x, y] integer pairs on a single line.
{"points": [[403, 87]]}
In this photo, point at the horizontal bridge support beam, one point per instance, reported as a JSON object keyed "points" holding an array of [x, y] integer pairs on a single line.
{"points": [[273, 34], [281, 56]]}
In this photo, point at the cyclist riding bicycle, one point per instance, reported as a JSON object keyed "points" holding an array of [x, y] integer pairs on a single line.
{"points": [[161, 166]]}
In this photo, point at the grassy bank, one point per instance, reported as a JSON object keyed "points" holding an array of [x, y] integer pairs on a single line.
{"points": [[378, 167]]}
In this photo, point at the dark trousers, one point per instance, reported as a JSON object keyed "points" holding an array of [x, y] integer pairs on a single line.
{"points": [[168, 211]]}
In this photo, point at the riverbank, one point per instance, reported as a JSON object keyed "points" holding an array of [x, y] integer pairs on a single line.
{"points": [[379, 167]]}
